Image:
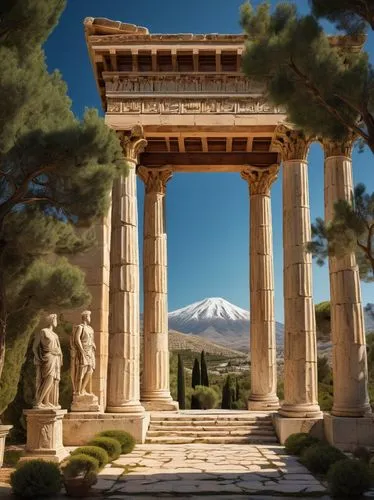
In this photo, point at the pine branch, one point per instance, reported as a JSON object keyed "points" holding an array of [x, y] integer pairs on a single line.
{"points": [[317, 95]]}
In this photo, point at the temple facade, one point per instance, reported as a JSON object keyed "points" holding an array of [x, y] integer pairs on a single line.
{"points": [[180, 103]]}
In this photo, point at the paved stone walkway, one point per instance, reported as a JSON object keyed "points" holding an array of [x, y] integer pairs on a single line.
{"points": [[203, 469]]}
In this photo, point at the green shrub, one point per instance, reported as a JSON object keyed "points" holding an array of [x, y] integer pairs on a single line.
{"points": [[36, 478], [110, 445], [125, 439], [298, 442], [319, 457], [83, 466], [93, 451], [11, 457], [362, 453], [206, 396], [348, 478]]}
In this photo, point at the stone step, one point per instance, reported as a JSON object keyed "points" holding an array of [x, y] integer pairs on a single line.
{"points": [[210, 421], [241, 418], [212, 440], [209, 428], [210, 433], [212, 424]]}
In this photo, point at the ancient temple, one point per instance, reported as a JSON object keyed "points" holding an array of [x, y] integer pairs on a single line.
{"points": [[180, 103]]}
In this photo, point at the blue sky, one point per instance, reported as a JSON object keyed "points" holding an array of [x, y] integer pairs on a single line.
{"points": [[207, 214]]}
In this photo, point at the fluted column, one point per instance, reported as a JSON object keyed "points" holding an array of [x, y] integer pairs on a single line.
{"points": [[155, 393], [347, 322], [300, 345], [262, 320], [124, 327]]}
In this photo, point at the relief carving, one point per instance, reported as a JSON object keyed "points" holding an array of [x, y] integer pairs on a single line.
{"points": [[190, 106]]}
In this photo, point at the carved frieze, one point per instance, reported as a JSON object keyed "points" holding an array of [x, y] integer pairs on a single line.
{"points": [[248, 106], [167, 84]]}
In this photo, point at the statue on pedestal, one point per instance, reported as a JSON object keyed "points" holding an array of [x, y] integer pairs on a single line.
{"points": [[83, 363], [48, 361]]}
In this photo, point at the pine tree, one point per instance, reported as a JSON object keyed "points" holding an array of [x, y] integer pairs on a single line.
{"points": [[327, 92], [181, 384], [56, 172], [227, 394], [204, 371], [349, 15], [351, 230], [196, 377]]}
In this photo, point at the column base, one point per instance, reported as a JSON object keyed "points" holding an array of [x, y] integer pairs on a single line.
{"points": [[263, 403], [44, 435], [159, 402], [355, 412], [79, 428], [347, 433], [284, 426], [300, 411], [133, 407]]}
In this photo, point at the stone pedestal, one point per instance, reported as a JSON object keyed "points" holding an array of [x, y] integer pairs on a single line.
{"points": [[262, 337], [4, 431], [85, 402], [44, 435], [285, 426], [80, 427], [347, 322], [347, 433], [155, 393]]}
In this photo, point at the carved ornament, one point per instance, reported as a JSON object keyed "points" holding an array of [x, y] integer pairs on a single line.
{"points": [[260, 179], [133, 143], [181, 84], [248, 106], [155, 179], [339, 148], [292, 144]]}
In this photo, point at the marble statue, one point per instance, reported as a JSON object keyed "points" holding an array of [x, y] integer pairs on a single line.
{"points": [[48, 361], [83, 363]]}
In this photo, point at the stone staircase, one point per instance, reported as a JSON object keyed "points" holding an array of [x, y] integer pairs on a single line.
{"points": [[211, 427]]}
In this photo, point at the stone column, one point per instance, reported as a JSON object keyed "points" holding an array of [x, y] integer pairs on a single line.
{"points": [[347, 322], [155, 393], [262, 337], [124, 322], [300, 345]]}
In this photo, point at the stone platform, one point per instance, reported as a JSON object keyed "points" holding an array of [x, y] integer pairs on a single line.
{"points": [[80, 427]]}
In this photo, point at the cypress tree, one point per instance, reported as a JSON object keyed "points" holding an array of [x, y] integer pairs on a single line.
{"points": [[204, 371], [237, 390], [181, 384], [196, 377], [227, 394]]}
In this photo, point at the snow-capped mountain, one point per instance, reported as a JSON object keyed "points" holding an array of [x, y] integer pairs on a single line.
{"points": [[218, 320]]}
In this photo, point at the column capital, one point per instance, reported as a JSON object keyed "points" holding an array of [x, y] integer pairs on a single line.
{"points": [[133, 142], [155, 179], [260, 179], [292, 144], [339, 148]]}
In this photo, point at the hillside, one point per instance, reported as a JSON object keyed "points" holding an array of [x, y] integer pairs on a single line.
{"points": [[182, 342]]}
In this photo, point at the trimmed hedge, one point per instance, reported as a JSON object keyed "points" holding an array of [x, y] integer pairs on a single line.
{"points": [[300, 441], [125, 439], [348, 478], [96, 452], [110, 445], [318, 458], [35, 479]]}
